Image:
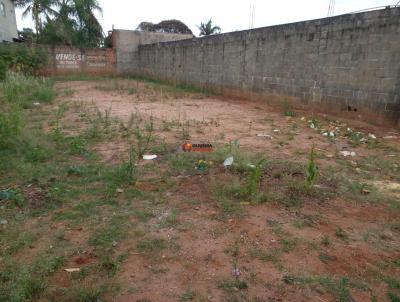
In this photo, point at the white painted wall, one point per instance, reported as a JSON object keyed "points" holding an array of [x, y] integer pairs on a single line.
{"points": [[8, 21]]}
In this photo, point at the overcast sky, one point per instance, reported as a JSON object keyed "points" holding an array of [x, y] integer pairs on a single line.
{"points": [[230, 15]]}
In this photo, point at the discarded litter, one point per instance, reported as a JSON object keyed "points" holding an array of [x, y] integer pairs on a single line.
{"points": [[120, 190], [229, 161], [348, 153], [3, 222], [276, 130], [201, 165], [236, 272], [149, 157], [264, 135], [372, 136], [114, 243], [7, 194], [36, 104], [72, 270]]}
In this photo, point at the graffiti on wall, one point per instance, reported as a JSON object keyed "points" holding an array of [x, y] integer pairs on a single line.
{"points": [[65, 60], [69, 60], [77, 61], [96, 60]]}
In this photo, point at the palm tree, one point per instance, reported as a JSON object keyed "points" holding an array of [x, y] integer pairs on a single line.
{"points": [[38, 9], [207, 29], [90, 29]]}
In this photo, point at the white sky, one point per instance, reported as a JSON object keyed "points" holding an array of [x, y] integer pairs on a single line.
{"points": [[230, 15]]}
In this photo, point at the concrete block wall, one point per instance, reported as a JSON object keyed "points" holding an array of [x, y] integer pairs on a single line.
{"points": [[126, 44], [348, 64]]}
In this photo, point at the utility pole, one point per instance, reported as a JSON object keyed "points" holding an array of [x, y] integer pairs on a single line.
{"points": [[331, 9], [252, 15]]}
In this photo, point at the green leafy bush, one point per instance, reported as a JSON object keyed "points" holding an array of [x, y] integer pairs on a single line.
{"points": [[22, 59]]}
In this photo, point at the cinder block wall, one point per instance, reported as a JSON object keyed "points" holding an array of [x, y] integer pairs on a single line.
{"points": [[348, 64], [126, 44]]}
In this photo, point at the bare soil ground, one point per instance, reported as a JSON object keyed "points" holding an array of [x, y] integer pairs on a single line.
{"points": [[177, 233]]}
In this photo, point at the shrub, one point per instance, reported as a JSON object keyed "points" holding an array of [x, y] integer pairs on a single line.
{"points": [[22, 59]]}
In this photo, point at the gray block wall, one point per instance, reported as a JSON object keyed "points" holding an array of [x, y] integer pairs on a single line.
{"points": [[348, 63], [126, 44]]}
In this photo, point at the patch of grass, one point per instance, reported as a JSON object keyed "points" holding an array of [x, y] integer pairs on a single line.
{"points": [[111, 263], [342, 234], [48, 264], [191, 295], [86, 294], [254, 179], [115, 230], [312, 169], [25, 90], [287, 111], [22, 241], [176, 88], [288, 245], [325, 240], [172, 220], [232, 286], [151, 245]]}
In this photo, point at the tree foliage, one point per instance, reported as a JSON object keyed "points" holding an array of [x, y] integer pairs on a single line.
{"points": [[207, 28], [166, 26], [66, 22]]}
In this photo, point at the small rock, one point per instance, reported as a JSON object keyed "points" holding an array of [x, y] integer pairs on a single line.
{"points": [[72, 270], [229, 161], [267, 136], [114, 243], [348, 153]]}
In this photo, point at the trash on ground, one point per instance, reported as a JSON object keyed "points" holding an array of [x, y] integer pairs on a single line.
{"points": [[229, 161], [366, 191], [36, 104], [277, 130], [236, 272], [72, 270], [7, 194], [119, 190], [201, 165], [371, 136], [3, 222], [149, 157], [264, 135], [348, 153], [114, 243]]}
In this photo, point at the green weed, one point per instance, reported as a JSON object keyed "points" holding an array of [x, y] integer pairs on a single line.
{"points": [[312, 169]]}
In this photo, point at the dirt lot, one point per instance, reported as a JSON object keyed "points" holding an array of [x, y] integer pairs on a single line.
{"points": [[184, 227]]}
